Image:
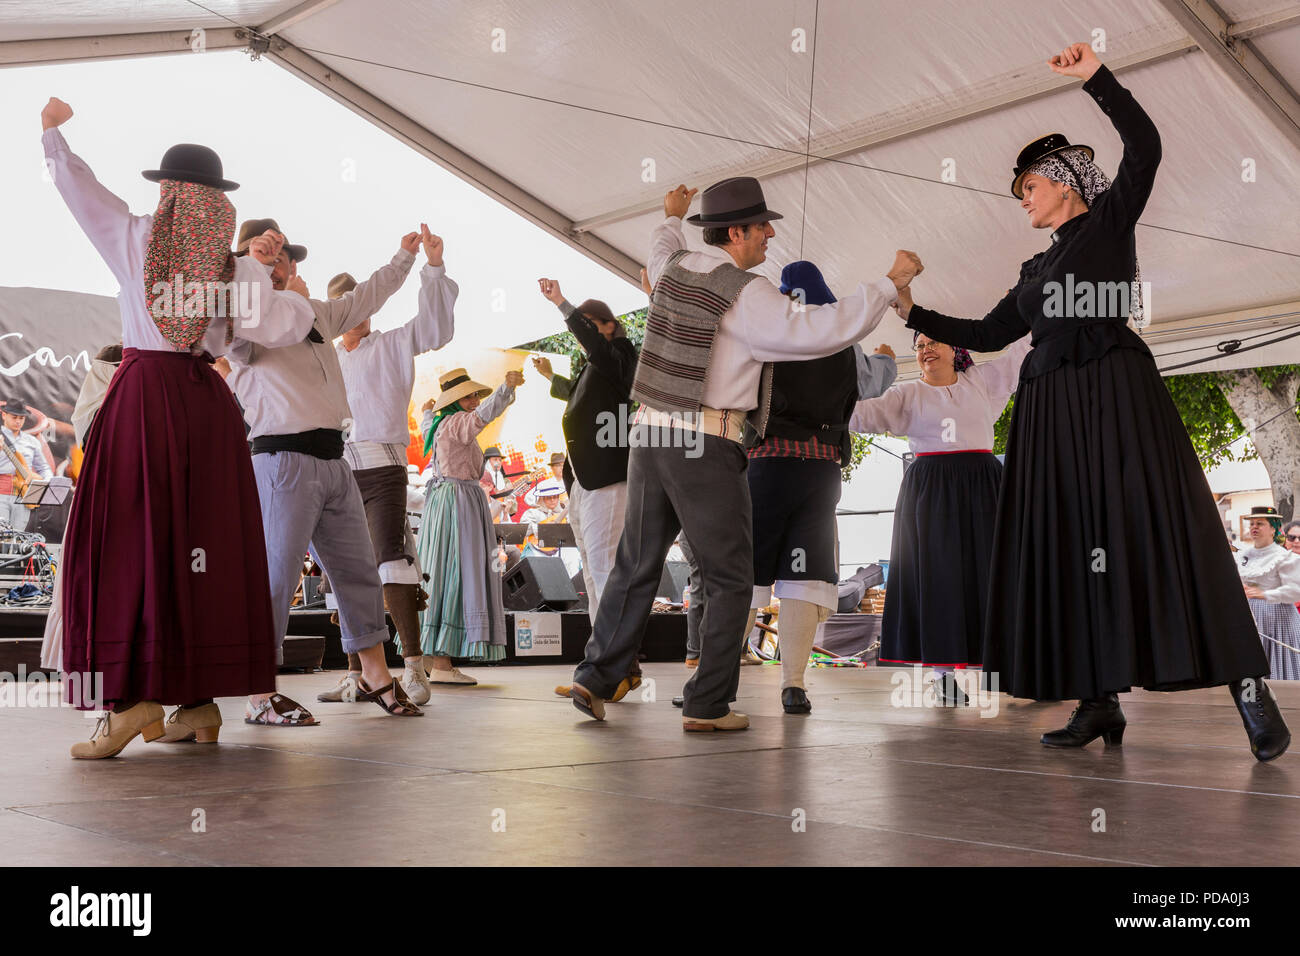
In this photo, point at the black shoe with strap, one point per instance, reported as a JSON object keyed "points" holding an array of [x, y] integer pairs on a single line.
{"points": [[1269, 736], [795, 701], [1093, 718]]}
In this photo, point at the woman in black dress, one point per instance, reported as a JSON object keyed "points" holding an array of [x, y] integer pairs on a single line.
{"points": [[1110, 568]]}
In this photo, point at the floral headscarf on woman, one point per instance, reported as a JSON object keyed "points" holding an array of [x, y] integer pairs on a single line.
{"points": [[188, 245], [1073, 168], [961, 359]]}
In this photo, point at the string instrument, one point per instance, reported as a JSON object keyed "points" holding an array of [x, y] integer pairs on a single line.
{"points": [[535, 475], [23, 475]]}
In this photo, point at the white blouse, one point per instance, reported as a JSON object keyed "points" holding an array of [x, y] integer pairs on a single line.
{"points": [[122, 239], [946, 418], [1272, 569]]}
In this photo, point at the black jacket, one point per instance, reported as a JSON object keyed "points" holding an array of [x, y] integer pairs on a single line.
{"points": [[603, 386]]}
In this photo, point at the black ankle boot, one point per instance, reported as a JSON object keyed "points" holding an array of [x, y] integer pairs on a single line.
{"points": [[1269, 736], [1093, 718], [948, 693]]}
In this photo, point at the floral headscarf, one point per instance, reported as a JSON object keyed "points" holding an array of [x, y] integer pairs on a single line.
{"points": [[189, 245], [1072, 167]]}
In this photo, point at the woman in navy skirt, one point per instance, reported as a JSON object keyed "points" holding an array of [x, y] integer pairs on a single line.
{"points": [[1110, 566], [937, 591]]}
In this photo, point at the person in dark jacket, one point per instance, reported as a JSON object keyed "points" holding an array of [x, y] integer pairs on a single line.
{"points": [[1101, 483], [794, 483], [595, 433]]}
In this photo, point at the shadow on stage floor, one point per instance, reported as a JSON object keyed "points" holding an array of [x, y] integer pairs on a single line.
{"points": [[507, 773]]}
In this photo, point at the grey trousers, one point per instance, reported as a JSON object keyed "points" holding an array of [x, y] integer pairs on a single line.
{"points": [[695, 613], [707, 497], [310, 501]]}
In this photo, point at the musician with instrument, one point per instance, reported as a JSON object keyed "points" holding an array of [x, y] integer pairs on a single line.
{"points": [[22, 463], [549, 509], [500, 492]]}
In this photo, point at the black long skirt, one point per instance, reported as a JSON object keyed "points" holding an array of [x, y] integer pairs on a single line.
{"points": [[936, 594], [1111, 568]]}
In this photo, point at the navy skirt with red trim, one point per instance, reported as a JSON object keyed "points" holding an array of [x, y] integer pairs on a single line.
{"points": [[165, 589], [936, 595]]}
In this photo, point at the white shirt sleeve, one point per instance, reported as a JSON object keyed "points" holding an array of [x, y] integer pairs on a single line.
{"points": [[495, 404], [1002, 374], [116, 234], [876, 372], [1288, 591], [272, 319], [779, 330], [666, 239], [434, 324], [40, 464], [350, 310], [891, 412]]}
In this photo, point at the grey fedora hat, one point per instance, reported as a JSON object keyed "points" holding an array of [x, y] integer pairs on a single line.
{"points": [[733, 202]]}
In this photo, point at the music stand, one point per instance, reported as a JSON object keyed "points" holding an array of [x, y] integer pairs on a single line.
{"points": [[48, 491]]}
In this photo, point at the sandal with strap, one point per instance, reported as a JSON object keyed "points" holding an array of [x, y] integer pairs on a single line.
{"points": [[280, 711], [402, 705]]}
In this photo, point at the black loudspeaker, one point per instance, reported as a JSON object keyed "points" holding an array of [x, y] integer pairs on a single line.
{"points": [[676, 576], [538, 581], [580, 585], [50, 521]]}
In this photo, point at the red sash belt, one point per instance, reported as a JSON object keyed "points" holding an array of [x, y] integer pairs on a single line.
{"points": [[960, 451]]}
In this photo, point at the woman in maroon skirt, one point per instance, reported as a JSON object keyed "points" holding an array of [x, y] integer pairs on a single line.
{"points": [[1110, 569], [165, 591]]}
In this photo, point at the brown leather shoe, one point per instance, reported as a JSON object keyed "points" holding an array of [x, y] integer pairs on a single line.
{"points": [[732, 721], [201, 724], [115, 730], [587, 702]]}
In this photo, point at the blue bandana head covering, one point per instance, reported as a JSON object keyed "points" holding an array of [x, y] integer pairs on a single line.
{"points": [[806, 277], [961, 359]]}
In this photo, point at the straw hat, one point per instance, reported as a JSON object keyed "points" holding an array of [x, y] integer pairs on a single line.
{"points": [[455, 385]]}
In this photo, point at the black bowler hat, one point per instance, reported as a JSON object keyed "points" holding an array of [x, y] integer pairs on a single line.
{"points": [[733, 202], [190, 163], [1040, 149], [493, 452], [14, 407]]}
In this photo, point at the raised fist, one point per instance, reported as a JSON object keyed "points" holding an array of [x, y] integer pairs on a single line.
{"points": [[266, 247], [907, 266], [1077, 59], [514, 379], [56, 113], [678, 201], [551, 290]]}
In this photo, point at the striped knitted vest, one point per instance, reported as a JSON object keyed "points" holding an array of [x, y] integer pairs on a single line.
{"points": [[679, 332]]}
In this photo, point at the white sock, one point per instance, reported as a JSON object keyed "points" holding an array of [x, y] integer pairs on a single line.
{"points": [[796, 629]]}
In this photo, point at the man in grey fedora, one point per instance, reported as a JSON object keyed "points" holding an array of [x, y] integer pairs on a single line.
{"points": [[713, 330]]}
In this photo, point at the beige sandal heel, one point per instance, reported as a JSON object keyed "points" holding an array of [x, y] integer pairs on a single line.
{"points": [[207, 735]]}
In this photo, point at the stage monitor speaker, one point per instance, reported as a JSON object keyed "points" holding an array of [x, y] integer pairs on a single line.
{"points": [[580, 585], [536, 582], [676, 576]]}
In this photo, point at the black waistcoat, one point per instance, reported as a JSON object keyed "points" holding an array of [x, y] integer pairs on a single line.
{"points": [[815, 399]]}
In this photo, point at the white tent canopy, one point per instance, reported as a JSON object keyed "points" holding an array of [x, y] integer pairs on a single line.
{"points": [[579, 115]]}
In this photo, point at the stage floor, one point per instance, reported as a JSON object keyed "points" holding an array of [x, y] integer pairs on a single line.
{"points": [[506, 773]]}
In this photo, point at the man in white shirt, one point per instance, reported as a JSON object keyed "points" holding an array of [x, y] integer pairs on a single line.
{"points": [[27, 448], [494, 480], [296, 406], [712, 330], [379, 374], [548, 507]]}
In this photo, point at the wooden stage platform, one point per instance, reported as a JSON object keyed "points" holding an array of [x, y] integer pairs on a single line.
{"points": [[876, 783]]}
